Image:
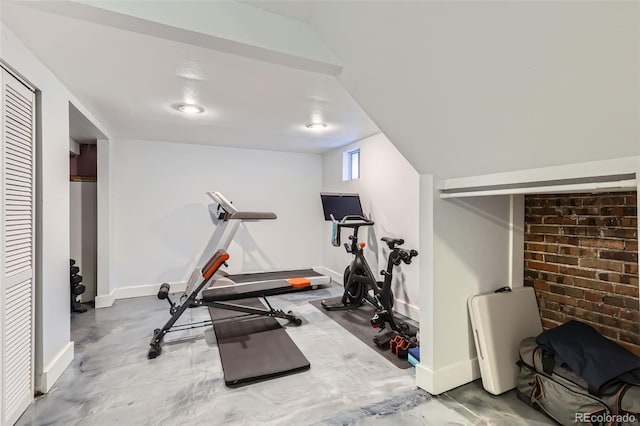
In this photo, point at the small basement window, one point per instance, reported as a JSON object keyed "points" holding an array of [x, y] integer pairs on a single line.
{"points": [[351, 164]]}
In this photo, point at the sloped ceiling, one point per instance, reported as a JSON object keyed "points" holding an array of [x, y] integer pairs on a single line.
{"points": [[468, 88], [129, 71]]}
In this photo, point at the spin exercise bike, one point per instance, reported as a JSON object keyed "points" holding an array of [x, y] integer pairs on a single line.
{"points": [[360, 284]]}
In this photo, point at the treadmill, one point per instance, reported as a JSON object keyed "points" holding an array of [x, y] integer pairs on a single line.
{"points": [[229, 219]]}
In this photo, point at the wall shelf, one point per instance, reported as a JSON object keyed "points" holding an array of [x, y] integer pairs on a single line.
{"points": [[601, 176]]}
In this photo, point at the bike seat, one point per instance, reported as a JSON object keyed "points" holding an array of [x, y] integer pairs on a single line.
{"points": [[392, 242]]}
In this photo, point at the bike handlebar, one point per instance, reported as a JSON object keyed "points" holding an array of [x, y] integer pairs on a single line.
{"points": [[406, 256]]}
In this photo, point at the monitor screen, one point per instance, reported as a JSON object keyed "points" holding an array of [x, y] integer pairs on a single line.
{"points": [[340, 205]]}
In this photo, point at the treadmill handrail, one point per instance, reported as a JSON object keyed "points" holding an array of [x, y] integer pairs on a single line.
{"points": [[232, 213]]}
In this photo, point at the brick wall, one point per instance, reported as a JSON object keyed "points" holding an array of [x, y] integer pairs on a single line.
{"points": [[581, 256]]}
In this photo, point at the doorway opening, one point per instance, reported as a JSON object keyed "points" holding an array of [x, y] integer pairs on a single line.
{"points": [[83, 212]]}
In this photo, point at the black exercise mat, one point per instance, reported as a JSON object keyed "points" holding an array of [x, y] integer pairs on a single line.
{"points": [[357, 321], [254, 349]]}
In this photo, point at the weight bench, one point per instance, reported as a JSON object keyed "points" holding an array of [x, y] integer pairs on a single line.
{"points": [[219, 297]]}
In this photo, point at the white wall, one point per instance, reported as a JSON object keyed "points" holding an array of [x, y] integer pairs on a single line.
{"points": [[83, 233], [52, 204], [389, 192], [470, 255], [160, 219]]}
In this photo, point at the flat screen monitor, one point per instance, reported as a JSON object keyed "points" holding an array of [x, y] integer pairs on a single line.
{"points": [[340, 205]]}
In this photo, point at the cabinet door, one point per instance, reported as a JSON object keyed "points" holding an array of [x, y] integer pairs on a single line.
{"points": [[17, 247]]}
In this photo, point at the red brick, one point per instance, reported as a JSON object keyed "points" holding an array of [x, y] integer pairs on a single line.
{"points": [[612, 211], [580, 211], [590, 221], [593, 296], [533, 220], [577, 272], [597, 307], [610, 321], [581, 231], [590, 201], [569, 310], [560, 220], [615, 200], [541, 285], [547, 248], [591, 316], [626, 290], [557, 289], [552, 315], [568, 250], [561, 279], [566, 260], [606, 265], [574, 292], [569, 241], [594, 285], [600, 233], [629, 315], [540, 266], [533, 238], [588, 252], [544, 211], [611, 222], [629, 222], [630, 326], [617, 278], [543, 229], [565, 300], [528, 255], [602, 243], [620, 233], [624, 256], [630, 337], [621, 302]]}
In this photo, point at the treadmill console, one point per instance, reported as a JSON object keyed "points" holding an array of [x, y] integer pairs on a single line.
{"points": [[340, 205]]}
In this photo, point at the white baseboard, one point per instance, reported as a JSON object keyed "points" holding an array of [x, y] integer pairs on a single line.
{"points": [[104, 301], [447, 378], [407, 309], [328, 272], [135, 291], [55, 368]]}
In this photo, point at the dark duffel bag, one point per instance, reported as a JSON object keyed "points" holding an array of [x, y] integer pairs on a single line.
{"points": [[564, 396]]}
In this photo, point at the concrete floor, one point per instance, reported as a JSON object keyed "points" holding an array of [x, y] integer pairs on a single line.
{"points": [[111, 381]]}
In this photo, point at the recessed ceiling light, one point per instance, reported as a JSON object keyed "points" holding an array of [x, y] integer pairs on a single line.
{"points": [[316, 126], [189, 108]]}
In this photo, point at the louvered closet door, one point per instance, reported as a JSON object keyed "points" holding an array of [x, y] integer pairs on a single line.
{"points": [[17, 254]]}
